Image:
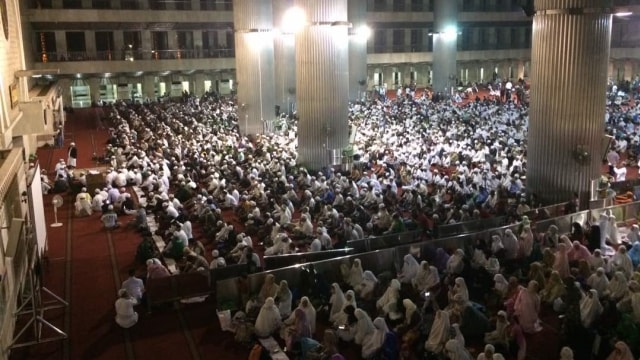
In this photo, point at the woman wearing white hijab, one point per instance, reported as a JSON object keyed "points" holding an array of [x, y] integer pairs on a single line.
{"points": [[455, 264], [409, 269], [614, 238], [456, 351], [493, 265], [631, 302], [596, 260], [526, 242], [284, 298], [337, 301], [458, 334], [599, 282], [366, 288], [426, 278], [499, 336], [355, 274], [510, 243], [622, 262], [501, 285], [268, 320], [341, 317], [590, 308], [566, 353], [390, 296], [618, 287], [439, 333], [376, 340], [496, 244], [459, 287], [634, 234], [364, 327], [489, 353]]}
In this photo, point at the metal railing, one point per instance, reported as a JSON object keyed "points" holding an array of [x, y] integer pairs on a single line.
{"points": [[132, 55], [391, 259]]}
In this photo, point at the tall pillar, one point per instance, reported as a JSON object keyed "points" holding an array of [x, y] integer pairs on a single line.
{"points": [[61, 43], [94, 88], [571, 45], [253, 21], [445, 35], [147, 44], [322, 82], [520, 71], [628, 70], [90, 43], [357, 12], [285, 57], [149, 87]]}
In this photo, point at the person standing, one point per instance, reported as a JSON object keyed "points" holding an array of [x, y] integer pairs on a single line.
{"points": [[72, 156]]}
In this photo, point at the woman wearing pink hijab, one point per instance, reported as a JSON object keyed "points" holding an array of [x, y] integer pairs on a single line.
{"points": [[527, 307], [620, 352], [561, 264], [578, 252]]}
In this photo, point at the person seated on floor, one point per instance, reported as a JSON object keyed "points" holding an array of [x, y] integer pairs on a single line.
{"points": [[196, 246], [175, 248], [146, 249], [46, 182], [83, 203], [60, 185], [134, 286], [97, 201], [193, 262], [155, 269], [217, 261], [126, 316], [110, 219]]}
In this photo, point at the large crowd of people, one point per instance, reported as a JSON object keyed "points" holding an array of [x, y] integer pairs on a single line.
{"points": [[221, 198]]}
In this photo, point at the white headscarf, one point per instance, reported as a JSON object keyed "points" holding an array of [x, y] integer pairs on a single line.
{"points": [[460, 288], [456, 351], [426, 277], [599, 281], [268, 319], [409, 269], [590, 308], [355, 274], [364, 326], [566, 353], [310, 311], [455, 264], [501, 284], [337, 300], [376, 340], [368, 284], [618, 286], [496, 244], [439, 332], [409, 308], [622, 261], [284, 299], [390, 296]]}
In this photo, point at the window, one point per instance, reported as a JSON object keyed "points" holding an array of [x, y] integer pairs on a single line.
{"points": [[130, 4], [183, 4], [157, 4], [104, 45], [101, 4], [42, 4], [417, 5], [72, 4], [75, 41], [133, 38], [398, 39], [46, 46]]}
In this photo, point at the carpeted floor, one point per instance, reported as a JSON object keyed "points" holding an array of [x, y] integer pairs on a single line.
{"points": [[86, 265]]}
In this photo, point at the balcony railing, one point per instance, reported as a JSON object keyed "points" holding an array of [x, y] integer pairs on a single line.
{"points": [[132, 55], [214, 5]]}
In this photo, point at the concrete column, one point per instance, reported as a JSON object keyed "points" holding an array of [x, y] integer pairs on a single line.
{"points": [[149, 87], [197, 42], [569, 56], [115, 4], [628, 70], [147, 45], [357, 49], [387, 76], [253, 21], [118, 44], [285, 57], [195, 5], [172, 40], [322, 52], [61, 43], [56, 4], [198, 82], [222, 38], [94, 88], [65, 86], [86, 4], [90, 43], [520, 72], [444, 44]]}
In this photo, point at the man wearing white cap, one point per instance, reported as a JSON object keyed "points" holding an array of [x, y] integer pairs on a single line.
{"points": [[72, 155]]}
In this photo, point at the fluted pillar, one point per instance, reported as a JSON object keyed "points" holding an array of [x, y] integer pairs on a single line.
{"points": [[322, 82], [357, 49], [445, 35], [285, 58], [571, 44], [253, 21]]}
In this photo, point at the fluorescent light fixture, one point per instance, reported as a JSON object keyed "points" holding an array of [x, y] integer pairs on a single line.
{"points": [[623, 13], [363, 32], [450, 33]]}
